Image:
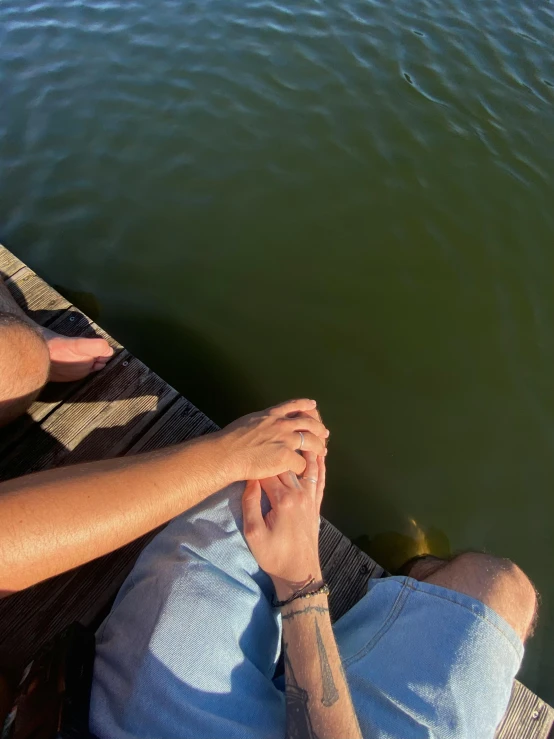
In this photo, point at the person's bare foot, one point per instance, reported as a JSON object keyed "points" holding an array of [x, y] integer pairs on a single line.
{"points": [[74, 358]]}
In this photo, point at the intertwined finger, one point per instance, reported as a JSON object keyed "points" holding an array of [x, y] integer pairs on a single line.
{"points": [[273, 488], [252, 507], [307, 423], [297, 463], [321, 474], [310, 478]]}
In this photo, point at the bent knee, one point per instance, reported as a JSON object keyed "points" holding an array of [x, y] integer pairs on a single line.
{"points": [[24, 366], [497, 582]]}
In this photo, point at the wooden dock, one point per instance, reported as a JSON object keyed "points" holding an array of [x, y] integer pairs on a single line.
{"points": [[126, 409]]}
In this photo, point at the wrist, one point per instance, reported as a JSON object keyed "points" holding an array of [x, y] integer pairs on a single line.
{"points": [[227, 459], [318, 603], [284, 588], [206, 455]]}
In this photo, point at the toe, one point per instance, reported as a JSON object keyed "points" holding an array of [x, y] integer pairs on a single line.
{"points": [[98, 365], [97, 348]]}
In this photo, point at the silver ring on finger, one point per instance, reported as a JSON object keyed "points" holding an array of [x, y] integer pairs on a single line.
{"points": [[310, 479], [301, 441]]}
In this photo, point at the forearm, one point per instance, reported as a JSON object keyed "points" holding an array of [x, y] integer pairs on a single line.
{"points": [[53, 521], [318, 699]]}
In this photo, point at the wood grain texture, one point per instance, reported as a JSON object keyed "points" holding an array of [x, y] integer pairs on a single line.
{"points": [[36, 296], [128, 409], [9, 263], [528, 716], [346, 569]]}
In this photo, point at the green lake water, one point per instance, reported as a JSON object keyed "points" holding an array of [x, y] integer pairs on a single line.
{"points": [[347, 200]]}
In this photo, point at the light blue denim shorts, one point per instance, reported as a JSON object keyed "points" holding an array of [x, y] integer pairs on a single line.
{"points": [[192, 643]]}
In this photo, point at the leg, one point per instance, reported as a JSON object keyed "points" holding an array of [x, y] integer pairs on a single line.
{"points": [[70, 359], [435, 653], [24, 366], [498, 583], [192, 642]]}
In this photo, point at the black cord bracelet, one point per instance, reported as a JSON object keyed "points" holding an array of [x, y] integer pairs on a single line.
{"points": [[322, 590]]}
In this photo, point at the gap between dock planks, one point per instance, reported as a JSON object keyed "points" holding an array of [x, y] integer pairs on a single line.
{"points": [[126, 409]]}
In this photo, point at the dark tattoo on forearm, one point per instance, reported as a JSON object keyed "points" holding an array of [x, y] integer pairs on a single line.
{"points": [[299, 724], [330, 693], [307, 609]]}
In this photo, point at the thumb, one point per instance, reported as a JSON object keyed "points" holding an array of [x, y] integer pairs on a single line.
{"points": [[252, 508]]}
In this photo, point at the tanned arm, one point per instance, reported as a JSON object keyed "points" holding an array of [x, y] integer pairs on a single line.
{"points": [[53, 521]]}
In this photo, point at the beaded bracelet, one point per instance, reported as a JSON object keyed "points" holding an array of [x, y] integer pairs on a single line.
{"points": [[322, 590]]}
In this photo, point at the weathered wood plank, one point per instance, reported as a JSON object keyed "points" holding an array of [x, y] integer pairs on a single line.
{"points": [[528, 716], [9, 263], [346, 569], [36, 297], [181, 422]]}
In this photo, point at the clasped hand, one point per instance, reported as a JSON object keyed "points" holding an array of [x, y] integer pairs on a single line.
{"points": [[263, 448], [285, 541], [265, 443]]}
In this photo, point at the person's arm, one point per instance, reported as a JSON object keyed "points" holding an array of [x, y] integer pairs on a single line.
{"points": [[317, 694], [53, 521], [285, 545]]}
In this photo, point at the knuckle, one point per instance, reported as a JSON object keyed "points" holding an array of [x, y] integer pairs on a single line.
{"points": [[286, 503]]}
